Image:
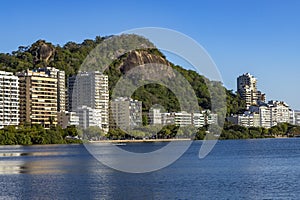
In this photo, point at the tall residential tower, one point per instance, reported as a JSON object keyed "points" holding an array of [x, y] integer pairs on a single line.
{"points": [[9, 99], [90, 89], [247, 89], [38, 98]]}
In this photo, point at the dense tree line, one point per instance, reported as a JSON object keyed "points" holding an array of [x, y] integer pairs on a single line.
{"points": [[27, 135], [229, 131]]}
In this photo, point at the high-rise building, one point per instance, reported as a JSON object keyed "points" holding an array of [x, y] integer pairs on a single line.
{"points": [[247, 89], [126, 113], [61, 85], [9, 99], [38, 98], [90, 89]]}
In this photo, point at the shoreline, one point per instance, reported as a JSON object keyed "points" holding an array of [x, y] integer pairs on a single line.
{"points": [[140, 141]]}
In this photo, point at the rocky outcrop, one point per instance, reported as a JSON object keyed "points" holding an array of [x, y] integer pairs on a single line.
{"points": [[42, 51]]}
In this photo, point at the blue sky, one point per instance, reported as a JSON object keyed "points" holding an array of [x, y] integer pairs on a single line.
{"points": [[259, 36]]}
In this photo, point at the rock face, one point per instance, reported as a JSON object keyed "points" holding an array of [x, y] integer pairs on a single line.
{"points": [[41, 51], [136, 58], [142, 57]]}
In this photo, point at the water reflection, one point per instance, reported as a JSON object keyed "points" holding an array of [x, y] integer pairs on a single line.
{"points": [[18, 159]]}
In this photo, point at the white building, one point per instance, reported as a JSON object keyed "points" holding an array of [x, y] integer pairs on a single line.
{"points": [[296, 117], [9, 99], [183, 118], [198, 119], [280, 112], [89, 117], [247, 88], [264, 115], [247, 119], [90, 89], [167, 118], [65, 119], [155, 117]]}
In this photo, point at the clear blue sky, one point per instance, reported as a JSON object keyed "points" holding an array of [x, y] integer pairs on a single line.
{"points": [[258, 36]]}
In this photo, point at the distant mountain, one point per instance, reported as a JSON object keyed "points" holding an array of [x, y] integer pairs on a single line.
{"points": [[70, 57]]}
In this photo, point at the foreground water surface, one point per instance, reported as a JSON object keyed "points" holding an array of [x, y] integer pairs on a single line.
{"points": [[234, 169]]}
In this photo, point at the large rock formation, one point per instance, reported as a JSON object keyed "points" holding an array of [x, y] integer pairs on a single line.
{"points": [[42, 51]]}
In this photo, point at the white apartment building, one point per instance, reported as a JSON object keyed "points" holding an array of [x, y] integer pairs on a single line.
{"points": [[90, 89], [198, 119], [296, 119], [184, 119], [247, 119], [280, 112], [9, 99], [247, 88], [264, 115], [155, 117], [89, 117]]}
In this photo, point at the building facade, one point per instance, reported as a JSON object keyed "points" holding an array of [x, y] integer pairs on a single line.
{"points": [[155, 116], [38, 98], [61, 85], [89, 117], [247, 88], [280, 112], [264, 115], [90, 89], [126, 113], [65, 119], [9, 99]]}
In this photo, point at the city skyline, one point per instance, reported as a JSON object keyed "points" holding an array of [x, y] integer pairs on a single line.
{"points": [[259, 37]]}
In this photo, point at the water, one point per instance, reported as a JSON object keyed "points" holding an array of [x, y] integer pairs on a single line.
{"points": [[235, 169]]}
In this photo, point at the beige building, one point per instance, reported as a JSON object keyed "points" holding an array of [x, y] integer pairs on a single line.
{"points": [[9, 99], [38, 98], [126, 113], [61, 85]]}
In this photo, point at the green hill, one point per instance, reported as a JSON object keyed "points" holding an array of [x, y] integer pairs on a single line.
{"points": [[71, 55]]}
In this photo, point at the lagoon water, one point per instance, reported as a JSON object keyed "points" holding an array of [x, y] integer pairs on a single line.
{"points": [[235, 169]]}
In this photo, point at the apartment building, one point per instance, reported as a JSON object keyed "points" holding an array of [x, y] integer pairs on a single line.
{"points": [[247, 88], [280, 112], [65, 119], [61, 85], [9, 99], [89, 117], [38, 98], [126, 113], [90, 89]]}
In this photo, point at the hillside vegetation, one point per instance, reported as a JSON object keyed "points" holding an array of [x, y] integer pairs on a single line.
{"points": [[71, 55]]}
